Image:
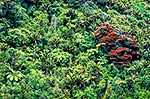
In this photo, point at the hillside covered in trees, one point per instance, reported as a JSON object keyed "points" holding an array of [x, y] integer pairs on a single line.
{"points": [[49, 49]]}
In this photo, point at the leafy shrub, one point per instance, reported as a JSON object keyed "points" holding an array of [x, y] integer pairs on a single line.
{"points": [[59, 58]]}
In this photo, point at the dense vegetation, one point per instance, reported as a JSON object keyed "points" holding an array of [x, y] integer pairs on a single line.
{"points": [[47, 49]]}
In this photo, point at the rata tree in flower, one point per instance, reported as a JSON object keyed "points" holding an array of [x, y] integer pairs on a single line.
{"points": [[122, 50]]}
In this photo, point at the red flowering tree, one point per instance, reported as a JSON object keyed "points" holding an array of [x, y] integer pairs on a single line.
{"points": [[122, 50]]}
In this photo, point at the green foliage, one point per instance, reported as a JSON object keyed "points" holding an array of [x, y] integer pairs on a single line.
{"points": [[59, 58], [47, 49]]}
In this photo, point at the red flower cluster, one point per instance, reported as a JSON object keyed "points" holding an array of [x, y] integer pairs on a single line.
{"points": [[122, 50]]}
